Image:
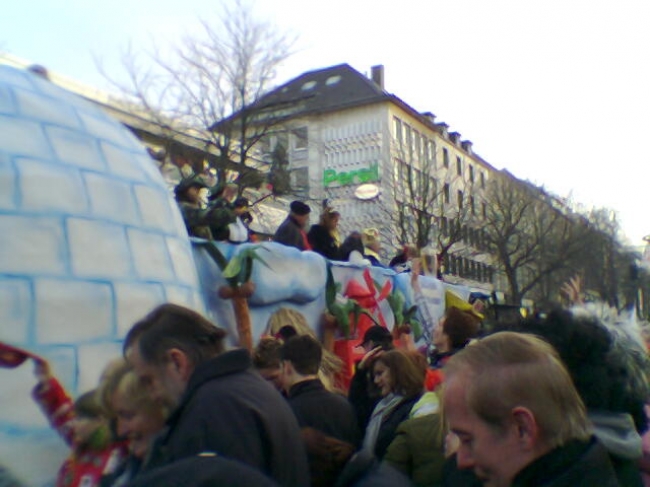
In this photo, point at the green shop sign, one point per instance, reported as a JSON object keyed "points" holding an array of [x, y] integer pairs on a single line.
{"points": [[358, 176]]}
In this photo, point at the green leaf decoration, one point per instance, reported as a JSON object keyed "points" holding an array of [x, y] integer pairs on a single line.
{"points": [[342, 319], [410, 313], [216, 255], [416, 327], [233, 268]]}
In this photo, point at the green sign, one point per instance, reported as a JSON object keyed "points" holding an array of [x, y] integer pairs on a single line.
{"points": [[346, 178]]}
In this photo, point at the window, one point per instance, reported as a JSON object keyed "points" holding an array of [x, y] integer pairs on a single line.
{"points": [[460, 199], [484, 210], [445, 192], [425, 152], [432, 153], [445, 158], [409, 139], [397, 127], [300, 138], [444, 229], [459, 166], [471, 173], [482, 180], [472, 208], [332, 80]]}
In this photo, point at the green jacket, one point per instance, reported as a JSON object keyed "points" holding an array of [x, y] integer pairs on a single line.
{"points": [[418, 449]]}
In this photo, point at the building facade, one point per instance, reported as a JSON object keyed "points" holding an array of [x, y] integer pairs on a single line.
{"points": [[370, 154]]}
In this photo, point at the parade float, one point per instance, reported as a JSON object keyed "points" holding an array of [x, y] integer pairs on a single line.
{"points": [[92, 240]]}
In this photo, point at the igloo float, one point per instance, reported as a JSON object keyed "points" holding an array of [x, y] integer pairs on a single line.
{"points": [[90, 240]]}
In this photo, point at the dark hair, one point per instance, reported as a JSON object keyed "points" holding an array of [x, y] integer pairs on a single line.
{"points": [[407, 374], [351, 243], [460, 327], [600, 373], [171, 326], [88, 406], [304, 352], [267, 353], [286, 332]]}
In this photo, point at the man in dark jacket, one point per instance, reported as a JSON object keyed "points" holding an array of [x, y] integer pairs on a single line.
{"points": [[518, 417], [313, 405], [219, 403], [292, 230]]}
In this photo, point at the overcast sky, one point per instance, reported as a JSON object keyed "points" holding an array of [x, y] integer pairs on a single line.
{"points": [[556, 91]]}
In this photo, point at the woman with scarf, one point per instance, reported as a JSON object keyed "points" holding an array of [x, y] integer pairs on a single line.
{"points": [[401, 383]]}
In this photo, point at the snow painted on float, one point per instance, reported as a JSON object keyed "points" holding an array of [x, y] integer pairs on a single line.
{"points": [[90, 240]]}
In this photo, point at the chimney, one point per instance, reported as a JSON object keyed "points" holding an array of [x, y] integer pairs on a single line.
{"points": [[378, 75], [467, 146], [455, 138]]}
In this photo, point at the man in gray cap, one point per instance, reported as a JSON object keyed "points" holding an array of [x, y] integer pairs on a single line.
{"points": [[292, 230]]}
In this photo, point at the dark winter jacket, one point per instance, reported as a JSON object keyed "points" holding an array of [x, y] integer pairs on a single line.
{"points": [[204, 471], [230, 410], [363, 470], [330, 413], [321, 241], [576, 464], [289, 233], [388, 428]]}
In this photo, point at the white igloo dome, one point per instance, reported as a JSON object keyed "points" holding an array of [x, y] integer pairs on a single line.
{"points": [[90, 240]]}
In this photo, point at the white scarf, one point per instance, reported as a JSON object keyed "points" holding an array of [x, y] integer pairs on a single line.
{"points": [[382, 409]]}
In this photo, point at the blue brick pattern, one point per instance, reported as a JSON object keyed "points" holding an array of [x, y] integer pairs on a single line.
{"points": [[90, 240]]}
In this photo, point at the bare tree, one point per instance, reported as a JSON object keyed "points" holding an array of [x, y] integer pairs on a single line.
{"points": [[210, 85], [532, 235], [429, 210]]}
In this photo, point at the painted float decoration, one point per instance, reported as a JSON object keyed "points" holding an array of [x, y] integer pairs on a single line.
{"points": [[91, 240]]}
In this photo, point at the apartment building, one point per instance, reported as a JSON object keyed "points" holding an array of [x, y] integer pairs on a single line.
{"points": [[347, 140]]}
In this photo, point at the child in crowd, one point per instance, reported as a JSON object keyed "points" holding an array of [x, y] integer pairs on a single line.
{"points": [[84, 427]]}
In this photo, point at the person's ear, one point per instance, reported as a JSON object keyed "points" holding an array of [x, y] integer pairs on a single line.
{"points": [[180, 363], [526, 427]]}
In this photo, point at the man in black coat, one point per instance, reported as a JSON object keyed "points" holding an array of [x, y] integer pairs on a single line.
{"points": [[219, 403], [291, 231], [313, 405]]}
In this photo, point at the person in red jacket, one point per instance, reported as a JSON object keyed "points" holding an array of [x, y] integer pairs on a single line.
{"points": [[83, 426]]}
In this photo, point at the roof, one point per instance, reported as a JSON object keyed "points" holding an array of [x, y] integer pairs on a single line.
{"points": [[326, 89], [331, 89]]}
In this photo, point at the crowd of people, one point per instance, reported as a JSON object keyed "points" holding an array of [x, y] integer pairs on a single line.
{"points": [[557, 400], [217, 213], [554, 400]]}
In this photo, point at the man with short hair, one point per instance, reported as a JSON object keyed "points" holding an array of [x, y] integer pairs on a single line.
{"points": [[219, 404], [292, 230], [518, 417], [313, 405]]}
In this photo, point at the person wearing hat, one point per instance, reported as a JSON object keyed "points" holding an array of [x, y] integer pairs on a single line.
{"points": [[189, 201], [292, 230], [222, 213]]}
